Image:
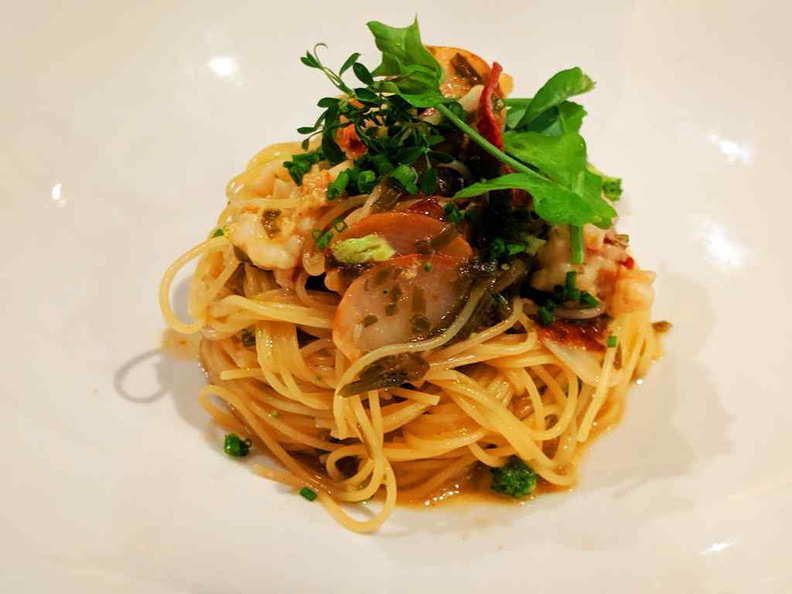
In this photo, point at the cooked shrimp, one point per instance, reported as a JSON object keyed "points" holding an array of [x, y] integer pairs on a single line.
{"points": [[609, 271], [272, 237]]}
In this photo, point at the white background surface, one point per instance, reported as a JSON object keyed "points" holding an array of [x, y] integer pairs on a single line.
{"points": [[121, 123]]}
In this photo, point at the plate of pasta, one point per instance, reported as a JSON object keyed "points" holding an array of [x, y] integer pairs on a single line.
{"points": [[438, 300]]}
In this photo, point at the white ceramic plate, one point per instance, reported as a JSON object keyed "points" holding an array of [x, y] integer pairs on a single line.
{"points": [[121, 124]]}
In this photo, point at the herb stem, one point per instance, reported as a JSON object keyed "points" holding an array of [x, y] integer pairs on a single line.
{"points": [[484, 143], [578, 255], [576, 243]]}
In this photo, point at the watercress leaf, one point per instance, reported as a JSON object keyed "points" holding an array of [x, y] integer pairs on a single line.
{"points": [[330, 148], [407, 177], [410, 154], [367, 96], [328, 102], [350, 61], [560, 87], [362, 73], [429, 182], [552, 202]]}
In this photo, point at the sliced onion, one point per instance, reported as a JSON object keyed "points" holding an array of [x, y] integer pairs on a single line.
{"points": [[586, 364], [579, 314]]}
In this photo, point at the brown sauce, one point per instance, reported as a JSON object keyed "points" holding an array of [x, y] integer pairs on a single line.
{"points": [[589, 334]]}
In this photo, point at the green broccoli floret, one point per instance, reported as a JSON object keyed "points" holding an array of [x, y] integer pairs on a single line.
{"points": [[515, 479]]}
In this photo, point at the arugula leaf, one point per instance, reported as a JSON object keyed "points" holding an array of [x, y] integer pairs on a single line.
{"points": [[561, 157], [560, 87], [552, 202], [416, 74]]}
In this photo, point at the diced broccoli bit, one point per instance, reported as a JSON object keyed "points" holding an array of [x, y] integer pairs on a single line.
{"points": [[515, 479], [357, 250], [235, 446]]}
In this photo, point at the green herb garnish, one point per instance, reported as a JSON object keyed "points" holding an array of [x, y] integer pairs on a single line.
{"points": [[542, 144], [308, 493], [515, 479], [235, 446], [612, 342], [218, 233], [588, 299], [322, 239], [546, 316]]}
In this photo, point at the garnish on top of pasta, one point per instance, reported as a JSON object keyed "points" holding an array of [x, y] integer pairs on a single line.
{"points": [[427, 296]]}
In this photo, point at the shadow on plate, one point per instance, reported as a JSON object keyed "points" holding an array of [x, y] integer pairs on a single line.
{"points": [[171, 370]]}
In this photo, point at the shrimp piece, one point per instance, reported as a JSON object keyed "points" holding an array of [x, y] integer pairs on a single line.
{"points": [[272, 238], [632, 292], [349, 142], [609, 272]]}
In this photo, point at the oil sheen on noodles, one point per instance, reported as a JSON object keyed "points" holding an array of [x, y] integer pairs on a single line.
{"points": [[283, 392]]}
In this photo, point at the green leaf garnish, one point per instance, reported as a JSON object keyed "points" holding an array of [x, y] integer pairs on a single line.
{"points": [[561, 86], [416, 74], [553, 202]]}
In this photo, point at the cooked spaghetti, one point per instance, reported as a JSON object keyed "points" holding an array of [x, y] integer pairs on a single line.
{"points": [[427, 295]]}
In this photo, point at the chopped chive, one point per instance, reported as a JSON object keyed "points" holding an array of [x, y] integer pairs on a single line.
{"points": [[339, 225], [322, 240], [235, 446], [571, 280], [428, 266], [218, 233], [275, 413], [545, 316], [612, 342], [578, 255], [452, 212], [588, 299], [558, 293], [308, 493]]}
